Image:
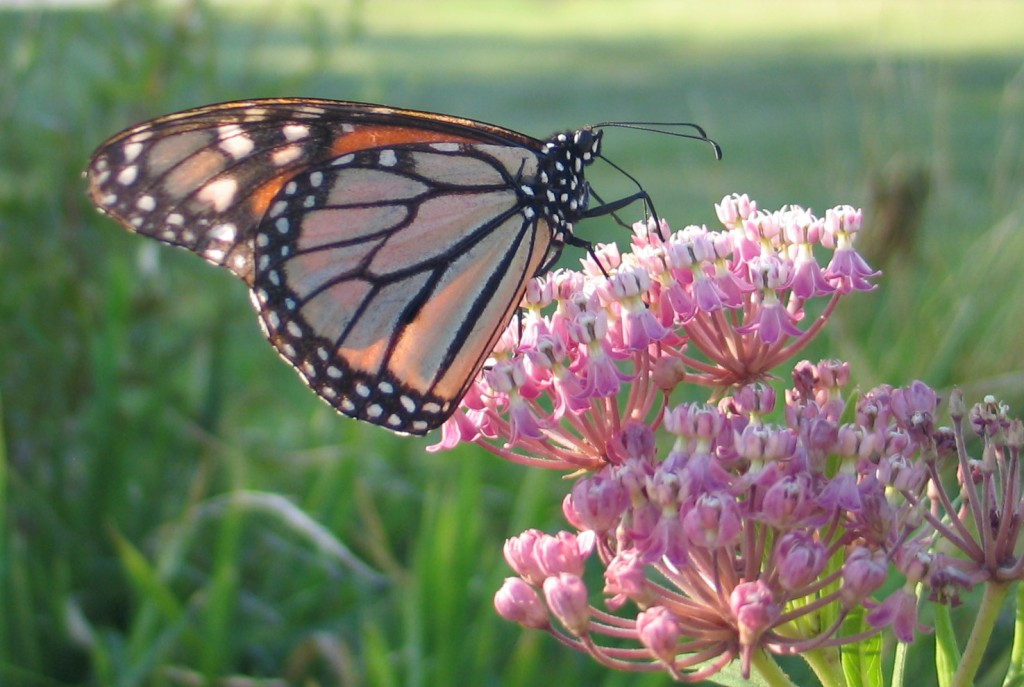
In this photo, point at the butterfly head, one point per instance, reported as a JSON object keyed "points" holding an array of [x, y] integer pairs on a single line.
{"points": [[565, 191], [588, 143]]}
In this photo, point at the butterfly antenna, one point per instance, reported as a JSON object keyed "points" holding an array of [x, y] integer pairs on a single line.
{"points": [[700, 134], [641, 194]]}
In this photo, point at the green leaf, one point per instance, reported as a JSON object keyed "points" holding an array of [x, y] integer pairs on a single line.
{"points": [[862, 661]]}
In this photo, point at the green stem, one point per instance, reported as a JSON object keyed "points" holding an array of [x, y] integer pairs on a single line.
{"points": [[765, 666], [826, 665], [947, 653], [985, 622], [1015, 674]]}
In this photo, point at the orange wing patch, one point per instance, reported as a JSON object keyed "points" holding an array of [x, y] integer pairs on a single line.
{"points": [[366, 137]]}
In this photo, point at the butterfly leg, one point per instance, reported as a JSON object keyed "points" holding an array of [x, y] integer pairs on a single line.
{"points": [[610, 208]]}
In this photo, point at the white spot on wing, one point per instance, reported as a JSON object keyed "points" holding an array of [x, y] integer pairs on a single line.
{"points": [[295, 132], [388, 158], [286, 155], [237, 145], [146, 203], [224, 232], [220, 193], [132, 150], [128, 175]]}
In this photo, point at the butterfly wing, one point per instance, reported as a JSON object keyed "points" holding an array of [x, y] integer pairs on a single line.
{"points": [[386, 249], [387, 285]]}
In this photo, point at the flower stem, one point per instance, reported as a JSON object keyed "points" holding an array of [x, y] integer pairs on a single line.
{"points": [[985, 621], [826, 665], [947, 653], [765, 666], [1015, 674]]}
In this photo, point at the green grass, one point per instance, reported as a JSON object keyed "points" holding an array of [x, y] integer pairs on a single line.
{"points": [[149, 433]]}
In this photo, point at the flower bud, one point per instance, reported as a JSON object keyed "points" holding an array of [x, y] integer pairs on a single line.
{"points": [[599, 501], [789, 502], [659, 630], [625, 578], [559, 554], [518, 602], [799, 559], [753, 605], [863, 572], [714, 521], [520, 554], [567, 598], [668, 373]]}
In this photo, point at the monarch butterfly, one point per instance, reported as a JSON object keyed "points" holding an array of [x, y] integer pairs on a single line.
{"points": [[385, 249]]}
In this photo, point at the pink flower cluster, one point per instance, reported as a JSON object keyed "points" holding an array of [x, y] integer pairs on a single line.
{"points": [[720, 533], [712, 308], [749, 536]]}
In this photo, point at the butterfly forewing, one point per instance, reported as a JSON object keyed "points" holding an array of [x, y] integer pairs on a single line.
{"points": [[202, 181], [386, 249]]}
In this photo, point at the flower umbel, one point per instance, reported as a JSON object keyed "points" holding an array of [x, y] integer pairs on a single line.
{"points": [[724, 536], [713, 308]]}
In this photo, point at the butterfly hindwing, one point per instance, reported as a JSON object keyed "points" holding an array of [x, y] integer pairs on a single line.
{"points": [[367, 268]]}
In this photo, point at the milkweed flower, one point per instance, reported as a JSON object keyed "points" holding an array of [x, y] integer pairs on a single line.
{"points": [[759, 522], [716, 308]]}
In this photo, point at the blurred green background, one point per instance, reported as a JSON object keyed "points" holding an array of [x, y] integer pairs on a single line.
{"points": [[177, 509]]}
